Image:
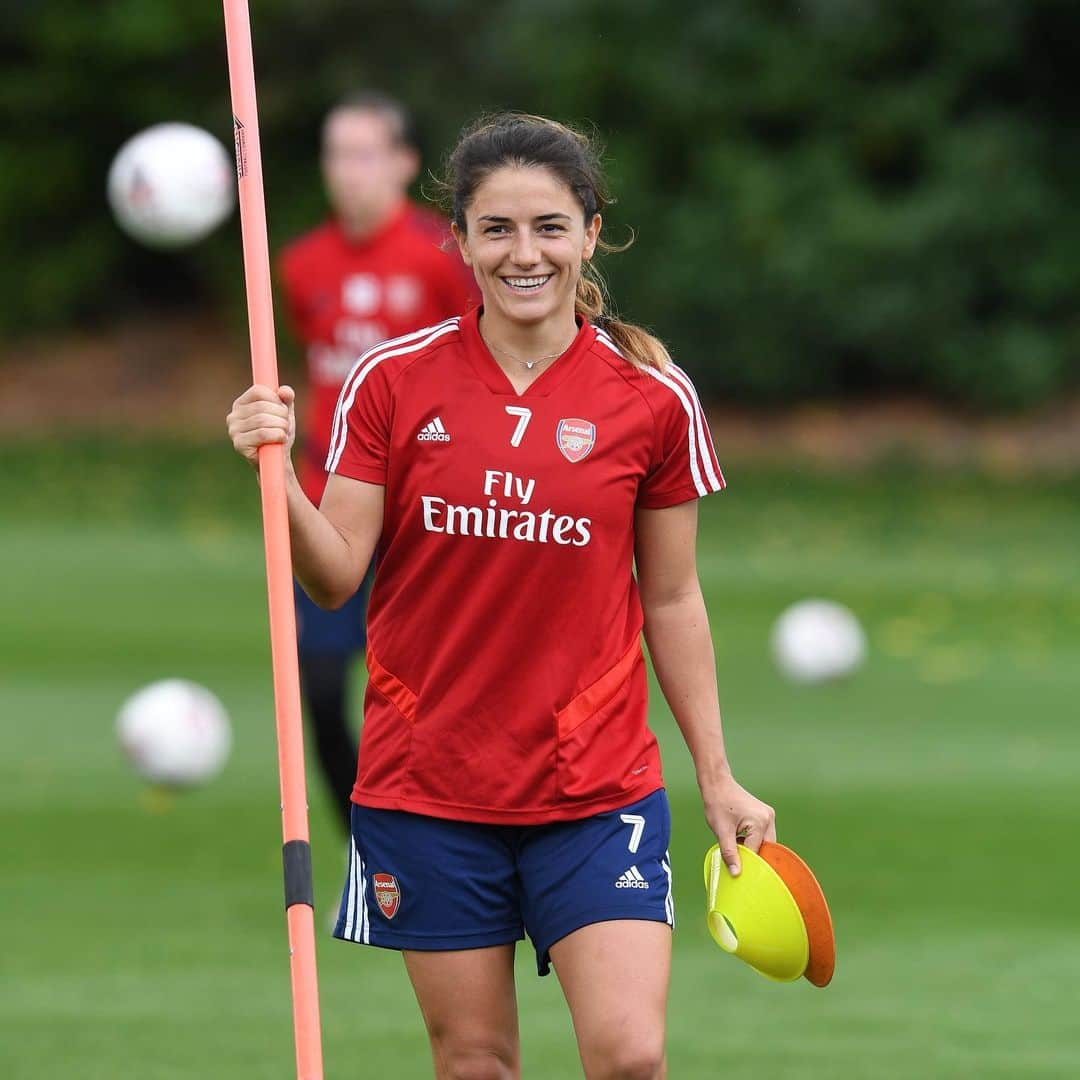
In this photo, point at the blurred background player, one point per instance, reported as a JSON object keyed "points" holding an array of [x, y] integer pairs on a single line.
{"points": [[378, 268]]}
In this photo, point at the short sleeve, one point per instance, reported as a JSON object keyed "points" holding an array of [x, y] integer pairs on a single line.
{"points": [[684, 464], [360, 438]]}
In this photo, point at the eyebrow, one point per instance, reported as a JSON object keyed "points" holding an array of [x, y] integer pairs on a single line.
{"points": [[539, 217]]}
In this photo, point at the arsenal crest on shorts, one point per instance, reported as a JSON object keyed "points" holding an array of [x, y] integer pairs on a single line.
{"points": [[575, 438], [387, 893]]}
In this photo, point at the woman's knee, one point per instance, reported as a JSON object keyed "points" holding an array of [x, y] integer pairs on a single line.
{"points": [[634, 1059], [478, 1062]]}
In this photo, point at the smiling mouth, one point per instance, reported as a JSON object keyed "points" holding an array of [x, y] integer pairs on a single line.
{"points": [[524, 286]]}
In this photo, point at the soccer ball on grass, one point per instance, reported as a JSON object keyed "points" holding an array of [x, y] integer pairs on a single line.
{"points": [[175, 733], [814, 641]]}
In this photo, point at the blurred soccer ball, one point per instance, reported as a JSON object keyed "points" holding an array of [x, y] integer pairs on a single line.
{"points": [[176, 733], [817, 640], [171, 185]]}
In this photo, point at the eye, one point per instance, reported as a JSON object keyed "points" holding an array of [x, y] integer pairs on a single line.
{"points": [[494, 230], [552, 226]]}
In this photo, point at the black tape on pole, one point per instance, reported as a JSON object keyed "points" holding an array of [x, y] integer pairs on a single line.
{"points": [[296, 857]]}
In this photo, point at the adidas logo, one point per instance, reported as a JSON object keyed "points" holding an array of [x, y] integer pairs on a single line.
{"points": [[433, 432], [632, 879]]}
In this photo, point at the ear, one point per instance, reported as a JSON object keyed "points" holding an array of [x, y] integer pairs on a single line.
{"points": [[592, 235], [462, 239]]}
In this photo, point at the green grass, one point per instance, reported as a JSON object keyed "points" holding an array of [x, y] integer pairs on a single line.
{"points": [[935, 793]]}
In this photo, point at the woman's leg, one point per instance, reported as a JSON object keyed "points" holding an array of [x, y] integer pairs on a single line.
{"points": [[469, 1005], [615, 978]]}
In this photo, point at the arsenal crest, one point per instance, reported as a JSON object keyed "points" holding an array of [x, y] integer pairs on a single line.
{"points": [[387, 893], [575, 438]]}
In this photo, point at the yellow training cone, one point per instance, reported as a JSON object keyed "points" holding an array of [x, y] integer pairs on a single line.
{"points": [[755, 917]]}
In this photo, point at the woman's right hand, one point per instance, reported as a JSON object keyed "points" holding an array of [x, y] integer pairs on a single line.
{"points": [[259, 416]]}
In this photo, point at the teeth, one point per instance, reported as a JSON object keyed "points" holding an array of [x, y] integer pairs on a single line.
{"points": [[527, 282]]}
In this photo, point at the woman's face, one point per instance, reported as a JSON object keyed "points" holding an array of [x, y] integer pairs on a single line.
{"points": [[525, 240]]}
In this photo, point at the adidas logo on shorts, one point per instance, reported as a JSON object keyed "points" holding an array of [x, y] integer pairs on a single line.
{"points": [[631, 879], [433, 432]]}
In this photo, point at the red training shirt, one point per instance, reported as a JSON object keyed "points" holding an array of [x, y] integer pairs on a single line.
{"points": [[506, 681], [346, 295]]}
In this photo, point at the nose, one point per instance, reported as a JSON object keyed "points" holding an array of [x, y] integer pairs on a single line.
{"points": [[525, 252]]}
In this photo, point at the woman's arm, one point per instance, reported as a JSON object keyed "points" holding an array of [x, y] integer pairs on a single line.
{"points": [[681, 647], [332, 544]]}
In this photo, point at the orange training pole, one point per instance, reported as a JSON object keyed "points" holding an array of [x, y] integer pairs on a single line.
{"points": [[279, 580]]}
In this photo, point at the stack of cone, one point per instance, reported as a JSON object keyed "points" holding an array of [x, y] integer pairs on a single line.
{"points": [[773, 915]]}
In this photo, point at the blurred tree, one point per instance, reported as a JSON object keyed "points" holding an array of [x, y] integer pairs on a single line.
{"points": [[830, 196]]}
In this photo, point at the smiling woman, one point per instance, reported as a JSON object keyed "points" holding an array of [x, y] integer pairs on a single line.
{"points": [[534, 265], [514, 466], [525, 239]]}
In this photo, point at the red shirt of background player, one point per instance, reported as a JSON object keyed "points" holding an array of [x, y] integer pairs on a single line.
{"points": [[519, 697], [345, 295]]}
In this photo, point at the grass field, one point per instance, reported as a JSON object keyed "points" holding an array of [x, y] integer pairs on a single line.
{"points": [[936, 793]]}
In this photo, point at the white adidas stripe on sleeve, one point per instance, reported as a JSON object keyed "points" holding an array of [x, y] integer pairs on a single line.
{"points": [[708, 451], [396, 347], [696, 459], [364, 357]]}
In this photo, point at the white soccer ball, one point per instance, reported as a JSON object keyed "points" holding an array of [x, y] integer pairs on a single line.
{"points": [[176, 733], [171, 185], [817, 640]]}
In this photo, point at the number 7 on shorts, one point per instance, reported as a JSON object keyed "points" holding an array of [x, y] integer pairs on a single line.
{"points": [[638, 823]]}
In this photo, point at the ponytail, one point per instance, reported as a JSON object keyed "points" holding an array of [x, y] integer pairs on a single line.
{"points": [[637, 345]]}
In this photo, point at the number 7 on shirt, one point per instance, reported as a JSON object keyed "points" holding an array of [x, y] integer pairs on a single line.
{"points": [[524, 416]]}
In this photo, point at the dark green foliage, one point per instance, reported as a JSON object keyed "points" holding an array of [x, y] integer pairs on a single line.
{"points": [[830, 196]]}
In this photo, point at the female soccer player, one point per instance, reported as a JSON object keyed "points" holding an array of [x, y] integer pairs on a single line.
{"points": [[512, 466]]}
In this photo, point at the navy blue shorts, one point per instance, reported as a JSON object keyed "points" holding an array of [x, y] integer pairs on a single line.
{"points": [[342, 631], [417, 882]]}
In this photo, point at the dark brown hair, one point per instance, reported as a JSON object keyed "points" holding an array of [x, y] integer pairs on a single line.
{"points": [[519, 139], [395, 115]]}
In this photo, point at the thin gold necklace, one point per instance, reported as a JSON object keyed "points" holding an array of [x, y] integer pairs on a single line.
{"points": [[530, 364]]}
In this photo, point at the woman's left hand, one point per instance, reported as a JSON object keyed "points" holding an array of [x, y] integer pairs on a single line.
{"points": [[735, 816]]}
